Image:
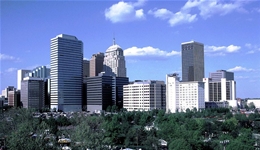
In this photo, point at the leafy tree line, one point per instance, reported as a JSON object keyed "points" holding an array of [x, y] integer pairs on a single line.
{"points": [[203, 129]]}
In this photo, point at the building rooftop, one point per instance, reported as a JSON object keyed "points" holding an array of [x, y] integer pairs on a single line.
{"points": [[65, 36], [191, 42]]}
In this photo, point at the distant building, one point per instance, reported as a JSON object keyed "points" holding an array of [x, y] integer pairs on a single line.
{"points": [[114, 61], [14, 98], [85, 68], [39, 72], [66, 73], [96, 64], [144, 95], [192, 54], [183, 95], [20, 75], [216, 76], [256, 102], [5, 93], [33, 93]]}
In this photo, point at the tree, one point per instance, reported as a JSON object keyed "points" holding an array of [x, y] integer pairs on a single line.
{"points": [[251, 106]]}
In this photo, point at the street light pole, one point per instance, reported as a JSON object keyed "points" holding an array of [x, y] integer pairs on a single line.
{"points": [[224, 143]]}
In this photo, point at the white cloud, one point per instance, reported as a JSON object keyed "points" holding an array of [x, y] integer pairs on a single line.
{"points": [[173, 18], [8, 57], [207, 8], [125, 12], [9, 70], [240, 69], [148, 51], [252, 48], [221, 50]]}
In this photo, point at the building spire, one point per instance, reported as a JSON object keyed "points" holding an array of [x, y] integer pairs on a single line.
{"points": [[114, 41]]}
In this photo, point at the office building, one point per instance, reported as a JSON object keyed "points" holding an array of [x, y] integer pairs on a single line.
{"points": [[103, 91], [20, 75], [172, 92], [5, 93], [216, 76], [222, 90], [96, 64], [192, 61], [144, 95], [39, 72], [99, 93], [114, 61], [14, 98], [85, 68], [66, 73], [181, 96], [32, 93]]}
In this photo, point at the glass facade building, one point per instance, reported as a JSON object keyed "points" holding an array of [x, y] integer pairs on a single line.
{"points": [[66, 73], [192, 61]]}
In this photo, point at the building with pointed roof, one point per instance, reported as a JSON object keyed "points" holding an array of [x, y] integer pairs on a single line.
{"points": [[114, 61]]}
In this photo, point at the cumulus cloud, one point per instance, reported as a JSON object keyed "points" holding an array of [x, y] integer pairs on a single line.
{"points": [[9, 70], [148, 51], [221, 50], [173, 18], [252, 48], [207, 8], [125, 12], [240, 69], [8, 57]]}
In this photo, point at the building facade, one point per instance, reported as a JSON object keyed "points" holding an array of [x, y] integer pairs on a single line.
{"points": [[172, 92], [103, 91], [20, 75], [98, 93], [144, 95], [181, 96], [32, 93], [85, 68], [39, 72], [222, 90], [14, 98], [96, 64], [114, 61], [216, 76], [192, 61], [66, 73]]}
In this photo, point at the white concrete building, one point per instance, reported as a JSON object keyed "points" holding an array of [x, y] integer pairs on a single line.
{"points": [[20, 75], [256, 102], [114, 61], [219, 90], [183, 95], [144, 95]]}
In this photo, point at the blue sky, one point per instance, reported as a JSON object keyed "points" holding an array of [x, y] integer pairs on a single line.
{"points": [[149, 32]]}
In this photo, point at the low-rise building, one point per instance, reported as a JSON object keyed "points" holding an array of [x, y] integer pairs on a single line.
{"points": [[144, 95]]}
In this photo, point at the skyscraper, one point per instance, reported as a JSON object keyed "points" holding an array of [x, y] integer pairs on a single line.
{"points": [[66, 73], [114, 61], [96, 64], [85, 68], [192, 61]]}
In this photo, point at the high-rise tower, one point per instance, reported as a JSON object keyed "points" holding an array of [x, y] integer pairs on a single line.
{"points": [[192, 61], [114, 61], [66, 73], [96, 64]]}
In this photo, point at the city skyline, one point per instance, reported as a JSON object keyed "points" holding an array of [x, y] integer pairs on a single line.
{"points": [[149, 32]]}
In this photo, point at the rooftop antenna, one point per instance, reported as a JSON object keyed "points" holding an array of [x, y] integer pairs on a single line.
{"points": [[114, 40]]}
